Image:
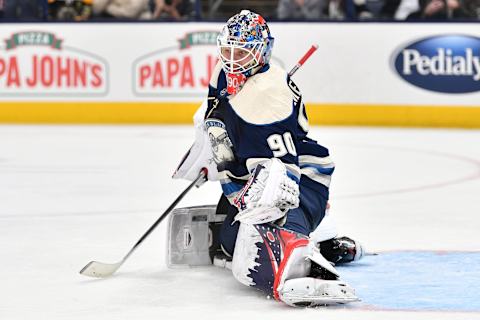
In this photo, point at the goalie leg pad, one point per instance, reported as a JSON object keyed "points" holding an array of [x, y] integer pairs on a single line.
{"points": [[326, 230], [269, 258], [265, 255]]}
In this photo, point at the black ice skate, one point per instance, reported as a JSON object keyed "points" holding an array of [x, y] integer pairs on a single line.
{"points": [[341, 250]]}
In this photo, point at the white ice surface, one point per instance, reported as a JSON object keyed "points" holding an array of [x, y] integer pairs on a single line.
{"points": [[71, 194]]}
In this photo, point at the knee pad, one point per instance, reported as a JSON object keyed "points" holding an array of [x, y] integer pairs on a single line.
{"points": [[327, 229]]}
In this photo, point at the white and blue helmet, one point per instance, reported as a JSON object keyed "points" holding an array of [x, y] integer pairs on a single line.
{"points": [[245, 43]]}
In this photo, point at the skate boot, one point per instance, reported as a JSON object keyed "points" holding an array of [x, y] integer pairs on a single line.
{"points": [[222, 260], [341, 250]]}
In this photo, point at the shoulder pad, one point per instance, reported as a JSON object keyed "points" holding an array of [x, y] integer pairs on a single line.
{"points": [[265, 98]]}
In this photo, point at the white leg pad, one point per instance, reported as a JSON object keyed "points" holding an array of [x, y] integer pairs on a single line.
{"points": [[327, 229], [246, 251], [278, 262]]}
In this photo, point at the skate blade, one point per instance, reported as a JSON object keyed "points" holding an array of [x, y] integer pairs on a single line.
{"points": [[308, 301]]}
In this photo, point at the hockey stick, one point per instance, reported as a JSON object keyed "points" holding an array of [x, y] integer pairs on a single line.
{"points": [[103, 270], [305, 57]]}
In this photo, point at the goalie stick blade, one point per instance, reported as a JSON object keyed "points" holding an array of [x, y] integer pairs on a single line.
{"points": [[97, 269]]}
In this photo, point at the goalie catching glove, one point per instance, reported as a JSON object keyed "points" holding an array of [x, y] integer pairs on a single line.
{"points": [[268, 194]]}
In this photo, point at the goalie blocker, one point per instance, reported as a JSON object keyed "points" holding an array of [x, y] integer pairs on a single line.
{"points": [[193, 236]]}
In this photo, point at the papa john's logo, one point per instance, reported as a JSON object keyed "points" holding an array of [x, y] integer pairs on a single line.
{"points": [[445, 63], [38, 63], [183, 69]]}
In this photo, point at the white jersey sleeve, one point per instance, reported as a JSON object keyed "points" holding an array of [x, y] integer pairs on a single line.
{"points": [[200, 154]]}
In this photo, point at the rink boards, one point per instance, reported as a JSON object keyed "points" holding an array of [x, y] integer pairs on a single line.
{"points": [[386, 74]]}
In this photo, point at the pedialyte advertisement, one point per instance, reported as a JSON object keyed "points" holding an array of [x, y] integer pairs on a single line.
{"points": [[441, 63]]}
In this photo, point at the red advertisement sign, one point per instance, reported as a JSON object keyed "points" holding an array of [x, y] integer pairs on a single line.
{"points": [[183, 69], [38, 63]]}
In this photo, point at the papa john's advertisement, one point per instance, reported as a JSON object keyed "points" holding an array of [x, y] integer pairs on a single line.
{"points": [[178, 69], [43, 63]]}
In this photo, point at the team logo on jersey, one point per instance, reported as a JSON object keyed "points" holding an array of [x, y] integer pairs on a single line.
{"points": [[223, 93], [222, 146]]}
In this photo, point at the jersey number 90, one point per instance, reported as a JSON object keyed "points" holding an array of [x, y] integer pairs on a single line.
{"points": [[281, 144]]}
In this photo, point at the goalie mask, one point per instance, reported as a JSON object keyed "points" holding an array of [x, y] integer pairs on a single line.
{"points": [[245, 45]]}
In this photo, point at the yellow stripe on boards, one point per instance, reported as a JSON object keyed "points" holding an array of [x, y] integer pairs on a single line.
{"points": [[394, 115], [181, 113], [97, 112]]}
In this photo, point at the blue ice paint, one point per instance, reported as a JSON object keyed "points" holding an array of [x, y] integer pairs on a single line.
{"points": [[417, 280]]}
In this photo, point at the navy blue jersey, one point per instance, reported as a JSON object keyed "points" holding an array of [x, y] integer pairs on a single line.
{"points": [[265, 119]]}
